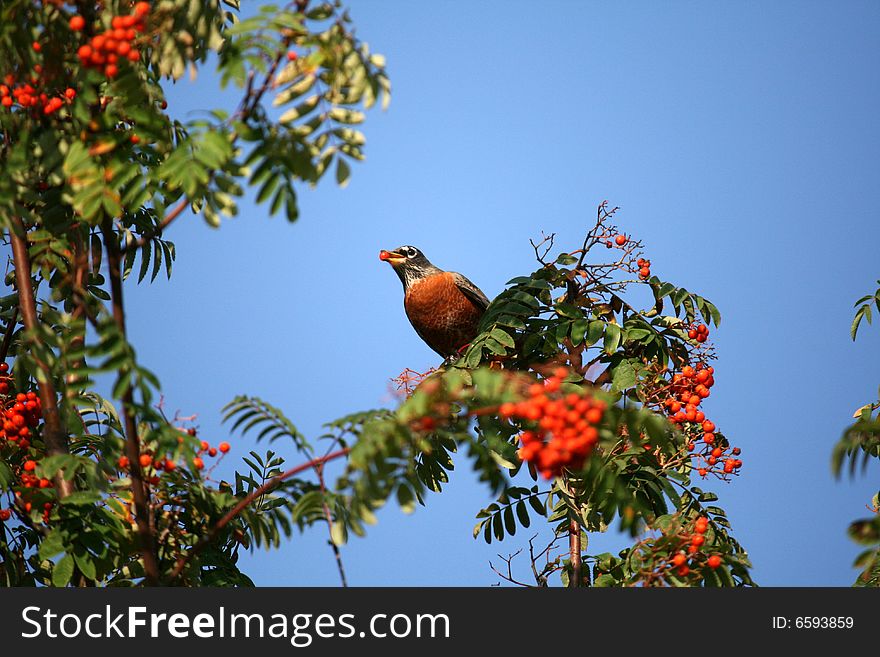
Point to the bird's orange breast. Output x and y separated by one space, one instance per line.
441 313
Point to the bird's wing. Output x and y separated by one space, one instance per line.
471 291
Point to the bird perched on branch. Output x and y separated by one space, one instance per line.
444 307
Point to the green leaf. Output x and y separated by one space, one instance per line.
338 533
502 337
5 476
623 376
63 571
53 544
594 332
343 171
612 338
84 562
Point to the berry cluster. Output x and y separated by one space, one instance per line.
689 552
699 333
20 415
105 50
566 425
29 95
153 465
644 269
688 389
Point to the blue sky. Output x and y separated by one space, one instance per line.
740 141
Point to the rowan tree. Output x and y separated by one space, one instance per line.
574 404
94 170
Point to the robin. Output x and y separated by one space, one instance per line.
444 307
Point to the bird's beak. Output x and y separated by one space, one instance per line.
391 257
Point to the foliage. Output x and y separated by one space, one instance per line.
574 405
570 384
858 445
94 170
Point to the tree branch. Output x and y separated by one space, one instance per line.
53 433
245 502
139 488
157 230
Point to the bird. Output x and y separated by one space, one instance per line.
443 307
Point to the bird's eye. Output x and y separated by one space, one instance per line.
410 252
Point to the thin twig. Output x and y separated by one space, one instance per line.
156 231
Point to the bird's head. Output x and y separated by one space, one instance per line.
409 263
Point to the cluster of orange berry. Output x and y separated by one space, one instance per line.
689 388
644 268
566 430
694 542
699 333
19 415
149 461
105 50
28 95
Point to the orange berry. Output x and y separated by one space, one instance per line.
620 240
223 447
714 561
145 460
111 70
141 9
77 23
679 559
708 426
123 462
291 55
198 463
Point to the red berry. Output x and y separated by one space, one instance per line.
4 514
714 561
69 93
620 240
198 463
135 139
223 447
77 23
291 55
36 46
141 9
30 466
213 450
146 460
111 70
